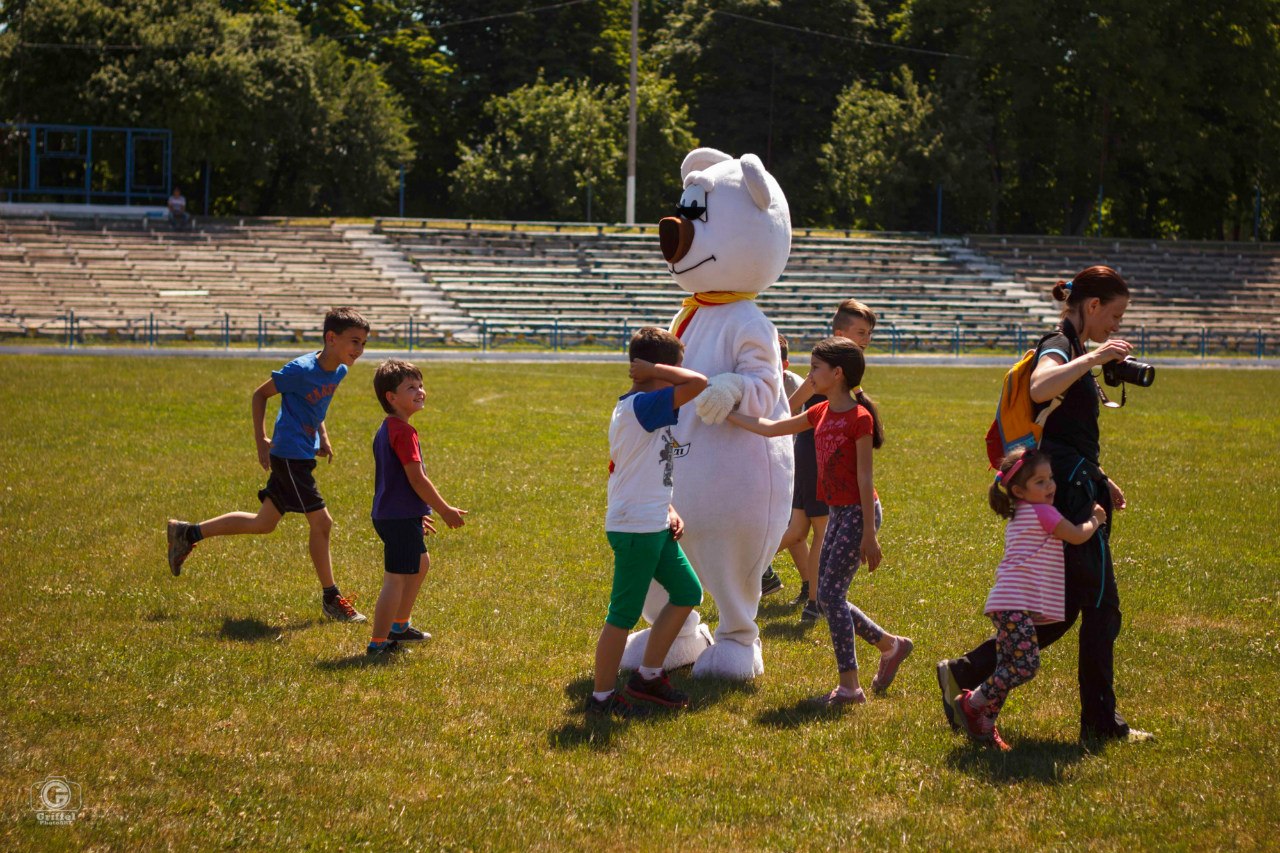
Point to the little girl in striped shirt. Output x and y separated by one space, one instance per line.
1029 582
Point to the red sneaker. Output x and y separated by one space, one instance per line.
977 722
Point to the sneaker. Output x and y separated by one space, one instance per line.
390 647
950 690
803 597
1138 736
341 610
812 612
836 698
977 721
616 705
770 582
889 664
657 690
179 547
409 635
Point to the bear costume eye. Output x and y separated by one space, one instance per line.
693 203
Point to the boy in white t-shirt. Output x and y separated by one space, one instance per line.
643 527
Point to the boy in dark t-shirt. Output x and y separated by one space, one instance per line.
306 385
403 498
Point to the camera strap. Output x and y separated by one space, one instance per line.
1107 401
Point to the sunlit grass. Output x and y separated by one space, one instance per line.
219 710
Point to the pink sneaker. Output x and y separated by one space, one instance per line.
889 663
836 698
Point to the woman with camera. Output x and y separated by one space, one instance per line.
1094 303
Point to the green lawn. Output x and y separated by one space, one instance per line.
219 710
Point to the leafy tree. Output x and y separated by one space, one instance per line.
878 158
553 140
759 82
289 124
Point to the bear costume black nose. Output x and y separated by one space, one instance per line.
675 233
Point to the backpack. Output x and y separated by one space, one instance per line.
1017 424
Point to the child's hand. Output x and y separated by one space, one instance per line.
453 517
427 527
326 449
675 523
871 551
1099 514
1117 496
264 453
641 370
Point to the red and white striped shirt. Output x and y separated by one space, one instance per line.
1030 577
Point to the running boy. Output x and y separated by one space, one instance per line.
643 527
403 498
306 386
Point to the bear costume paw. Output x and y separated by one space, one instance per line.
723 393
730 660
686 649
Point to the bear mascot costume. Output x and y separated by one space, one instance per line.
732 487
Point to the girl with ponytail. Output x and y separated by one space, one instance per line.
846 429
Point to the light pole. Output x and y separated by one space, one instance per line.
631 124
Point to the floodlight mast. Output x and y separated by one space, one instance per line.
631 125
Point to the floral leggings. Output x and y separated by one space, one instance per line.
841 555
1017 656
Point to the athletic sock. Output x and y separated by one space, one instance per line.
378 644
649 673
400 627
194 534
331 592
601 695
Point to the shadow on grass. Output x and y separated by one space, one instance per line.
252 630
360 661
793 629
777 605
160 615
797 714
1030 760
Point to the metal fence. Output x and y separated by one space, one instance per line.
552 335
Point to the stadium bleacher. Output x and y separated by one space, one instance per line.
599 283
1231 290
123 277
551 284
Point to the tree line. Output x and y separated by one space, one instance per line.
1131 118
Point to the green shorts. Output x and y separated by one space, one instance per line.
639 558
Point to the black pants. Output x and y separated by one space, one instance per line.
1099 628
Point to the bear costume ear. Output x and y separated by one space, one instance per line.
699 159
753 175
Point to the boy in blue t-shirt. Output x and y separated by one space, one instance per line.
403 498
643 527
306 386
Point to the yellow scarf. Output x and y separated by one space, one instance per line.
694 301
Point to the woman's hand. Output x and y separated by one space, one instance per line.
1112 349
1117 496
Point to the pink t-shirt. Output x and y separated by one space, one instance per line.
1030 577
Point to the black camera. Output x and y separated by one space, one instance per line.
1130 370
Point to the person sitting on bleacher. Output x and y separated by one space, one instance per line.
178 210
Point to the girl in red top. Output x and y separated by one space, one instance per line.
846 429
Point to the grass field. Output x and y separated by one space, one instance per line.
218 710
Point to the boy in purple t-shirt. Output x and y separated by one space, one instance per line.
403 498
306 385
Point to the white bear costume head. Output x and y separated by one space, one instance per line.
734 227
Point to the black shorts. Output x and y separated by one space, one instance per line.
291 486
402 544
804 491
